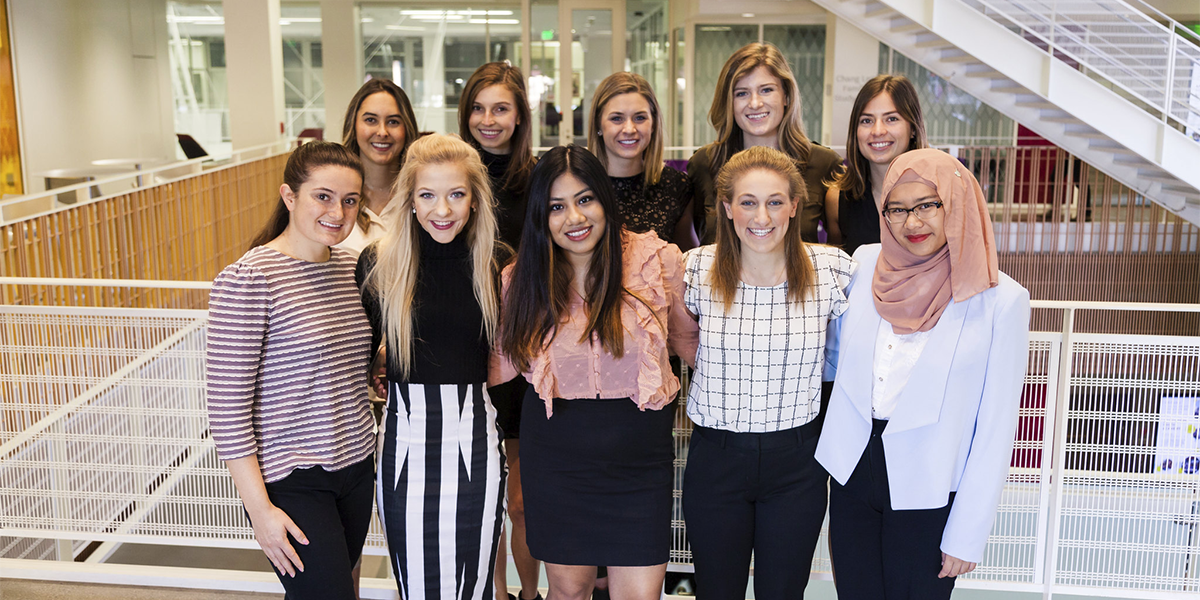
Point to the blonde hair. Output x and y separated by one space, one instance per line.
791 136
394 276
727 269
628 83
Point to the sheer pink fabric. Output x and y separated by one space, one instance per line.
653 271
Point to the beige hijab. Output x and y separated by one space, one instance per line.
912 291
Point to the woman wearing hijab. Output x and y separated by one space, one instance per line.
931 363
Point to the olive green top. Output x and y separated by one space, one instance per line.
822 162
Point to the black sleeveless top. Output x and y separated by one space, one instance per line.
858 220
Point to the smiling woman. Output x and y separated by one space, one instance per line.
764 299
932 358
887 123
378 128
757 103
627 136
590 315
429 289
298 443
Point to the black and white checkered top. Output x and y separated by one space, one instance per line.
759 365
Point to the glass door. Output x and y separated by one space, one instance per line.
596 50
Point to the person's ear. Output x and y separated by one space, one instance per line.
289 197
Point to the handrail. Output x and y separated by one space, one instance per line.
90 282
204 285
29 204
1097 34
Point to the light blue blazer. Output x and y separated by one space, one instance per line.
953 426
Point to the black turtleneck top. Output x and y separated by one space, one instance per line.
449 345
510 204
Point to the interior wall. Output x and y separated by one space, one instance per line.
93 82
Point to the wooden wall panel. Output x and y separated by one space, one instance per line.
187 230
1067 231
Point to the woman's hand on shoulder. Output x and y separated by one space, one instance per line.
953 567
271 528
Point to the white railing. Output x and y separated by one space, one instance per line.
103 439
1129 44
21 207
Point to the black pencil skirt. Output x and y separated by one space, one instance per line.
596 478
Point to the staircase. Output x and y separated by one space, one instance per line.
1099 78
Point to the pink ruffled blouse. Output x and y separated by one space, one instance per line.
653 271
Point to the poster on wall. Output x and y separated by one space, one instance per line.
1177 449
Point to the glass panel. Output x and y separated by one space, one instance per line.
647 51
196 33
591 62
804 48
303 82
543 69
431 51
952 116
714 44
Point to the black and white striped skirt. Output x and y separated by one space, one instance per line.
441 490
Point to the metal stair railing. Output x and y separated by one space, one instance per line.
1128 44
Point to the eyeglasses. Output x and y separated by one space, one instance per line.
925 210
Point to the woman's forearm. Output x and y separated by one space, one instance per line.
247 477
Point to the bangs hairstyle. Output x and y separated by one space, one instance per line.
300 166
397 258
855 178
539 291
408 120
521 145
728 268
791 136
628 83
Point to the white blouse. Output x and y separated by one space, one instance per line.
895 357
759 365
380 225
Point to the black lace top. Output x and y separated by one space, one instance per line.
657 208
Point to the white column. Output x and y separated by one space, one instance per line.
342 56
851 59
254 59
431 117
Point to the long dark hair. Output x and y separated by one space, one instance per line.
539 291
856 177
510 78
300 165
407 118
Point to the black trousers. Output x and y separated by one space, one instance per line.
879 553
333 509
760 493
